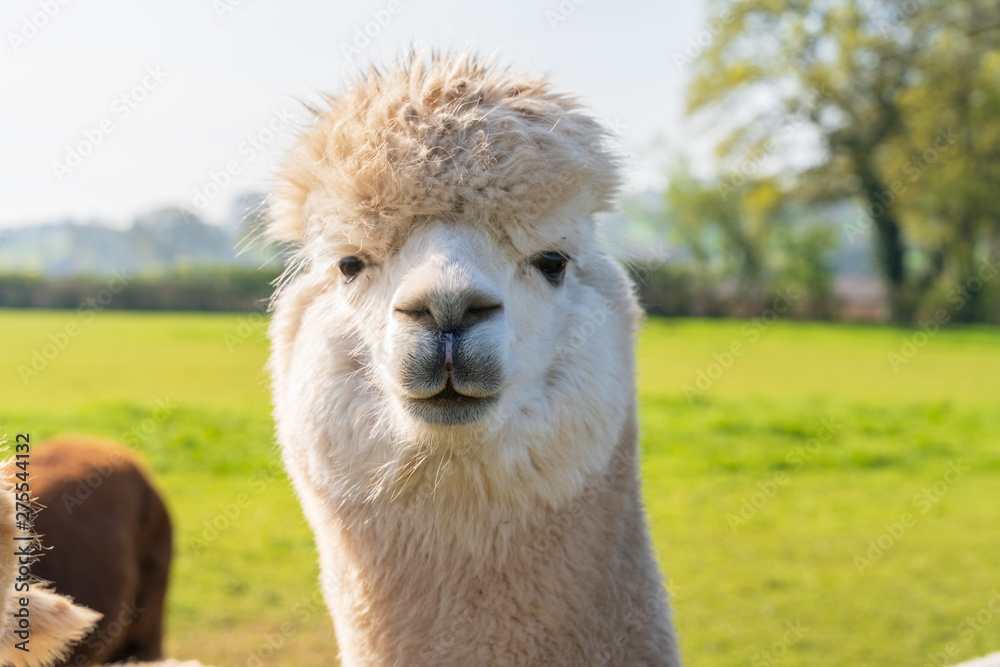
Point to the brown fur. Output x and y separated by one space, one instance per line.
107 539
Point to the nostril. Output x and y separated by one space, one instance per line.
475 314
484 310
420 315
414 312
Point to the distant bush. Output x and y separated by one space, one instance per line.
677 291
670 290
207 289
673 291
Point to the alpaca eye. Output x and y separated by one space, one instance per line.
350 267
552 264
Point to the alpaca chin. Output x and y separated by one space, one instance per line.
450 408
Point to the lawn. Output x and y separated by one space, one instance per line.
811 504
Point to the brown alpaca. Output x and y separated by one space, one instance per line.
107 544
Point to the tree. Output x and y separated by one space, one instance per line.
713 230
839 98
753 238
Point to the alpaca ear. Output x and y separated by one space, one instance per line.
284 220
56 625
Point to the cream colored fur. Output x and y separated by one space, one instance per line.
519 538
165 663
991 660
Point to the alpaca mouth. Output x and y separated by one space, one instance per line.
450 407
449 393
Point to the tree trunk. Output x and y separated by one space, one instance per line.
967 271
890 247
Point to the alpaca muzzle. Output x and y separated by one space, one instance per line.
450 375
449 351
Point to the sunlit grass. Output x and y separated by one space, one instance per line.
762 489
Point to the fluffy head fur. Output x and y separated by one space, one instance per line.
439 407
452 172
449 139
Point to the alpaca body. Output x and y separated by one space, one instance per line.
429 579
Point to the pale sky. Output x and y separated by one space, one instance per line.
161 94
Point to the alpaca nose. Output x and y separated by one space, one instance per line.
450 311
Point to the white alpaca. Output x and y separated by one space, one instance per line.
453 376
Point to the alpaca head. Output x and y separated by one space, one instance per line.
453 308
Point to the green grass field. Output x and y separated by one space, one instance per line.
767 488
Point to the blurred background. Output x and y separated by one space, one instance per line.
811 214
